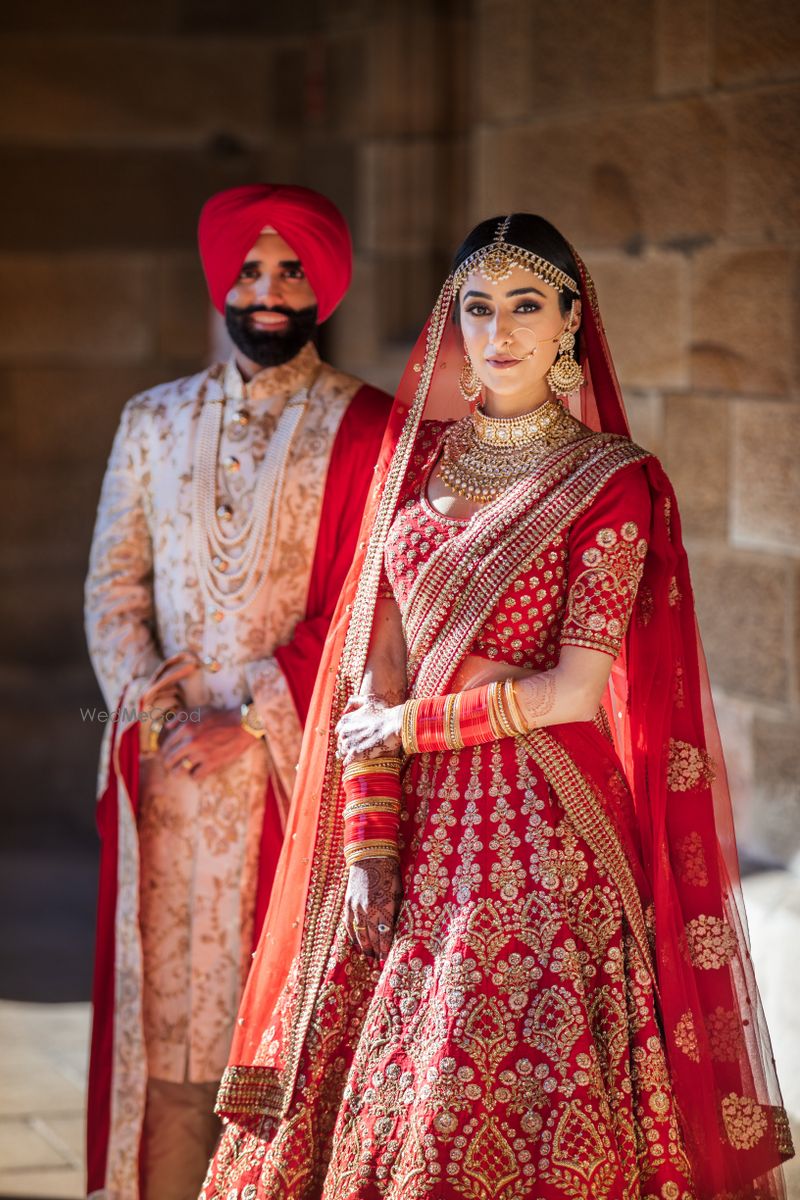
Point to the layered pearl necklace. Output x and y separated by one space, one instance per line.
232 567
483 456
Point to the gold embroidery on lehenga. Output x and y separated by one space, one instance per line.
711 942
590 820
464 1043
489 1163
688 766
580 1149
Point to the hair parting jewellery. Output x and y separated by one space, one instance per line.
496 261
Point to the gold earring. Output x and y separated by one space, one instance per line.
565 376
468 382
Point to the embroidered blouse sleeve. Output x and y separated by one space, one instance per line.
607 548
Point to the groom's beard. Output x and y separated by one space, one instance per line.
262 346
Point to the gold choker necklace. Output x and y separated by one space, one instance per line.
483 456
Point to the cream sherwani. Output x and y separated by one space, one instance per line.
187 859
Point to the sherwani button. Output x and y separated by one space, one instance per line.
221 564
212 664
216 614
231 464
241 417
224 512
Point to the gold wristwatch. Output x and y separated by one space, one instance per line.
251 722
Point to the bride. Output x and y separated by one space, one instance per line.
505 954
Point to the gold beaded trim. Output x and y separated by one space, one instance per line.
496 261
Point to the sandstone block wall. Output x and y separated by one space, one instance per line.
660 135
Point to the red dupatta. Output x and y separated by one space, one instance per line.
665 736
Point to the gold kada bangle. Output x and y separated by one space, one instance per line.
375 804
372 766
498 719
373 849
514 710
408 731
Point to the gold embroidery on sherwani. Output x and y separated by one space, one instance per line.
145 612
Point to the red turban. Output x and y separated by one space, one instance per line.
231 221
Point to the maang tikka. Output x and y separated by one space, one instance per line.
565 376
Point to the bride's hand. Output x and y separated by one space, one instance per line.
369 728
374 893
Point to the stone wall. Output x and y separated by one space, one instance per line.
658 134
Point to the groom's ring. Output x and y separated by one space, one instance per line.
187 764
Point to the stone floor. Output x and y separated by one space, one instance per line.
43 1053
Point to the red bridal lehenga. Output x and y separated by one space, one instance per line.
568 1008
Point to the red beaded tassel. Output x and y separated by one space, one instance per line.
372 809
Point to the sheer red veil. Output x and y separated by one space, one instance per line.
666 737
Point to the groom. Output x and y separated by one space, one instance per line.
228 518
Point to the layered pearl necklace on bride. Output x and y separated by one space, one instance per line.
232 567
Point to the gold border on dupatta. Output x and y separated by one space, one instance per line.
324 904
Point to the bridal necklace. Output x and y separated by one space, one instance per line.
483 456
233 565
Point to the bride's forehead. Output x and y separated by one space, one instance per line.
498 289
